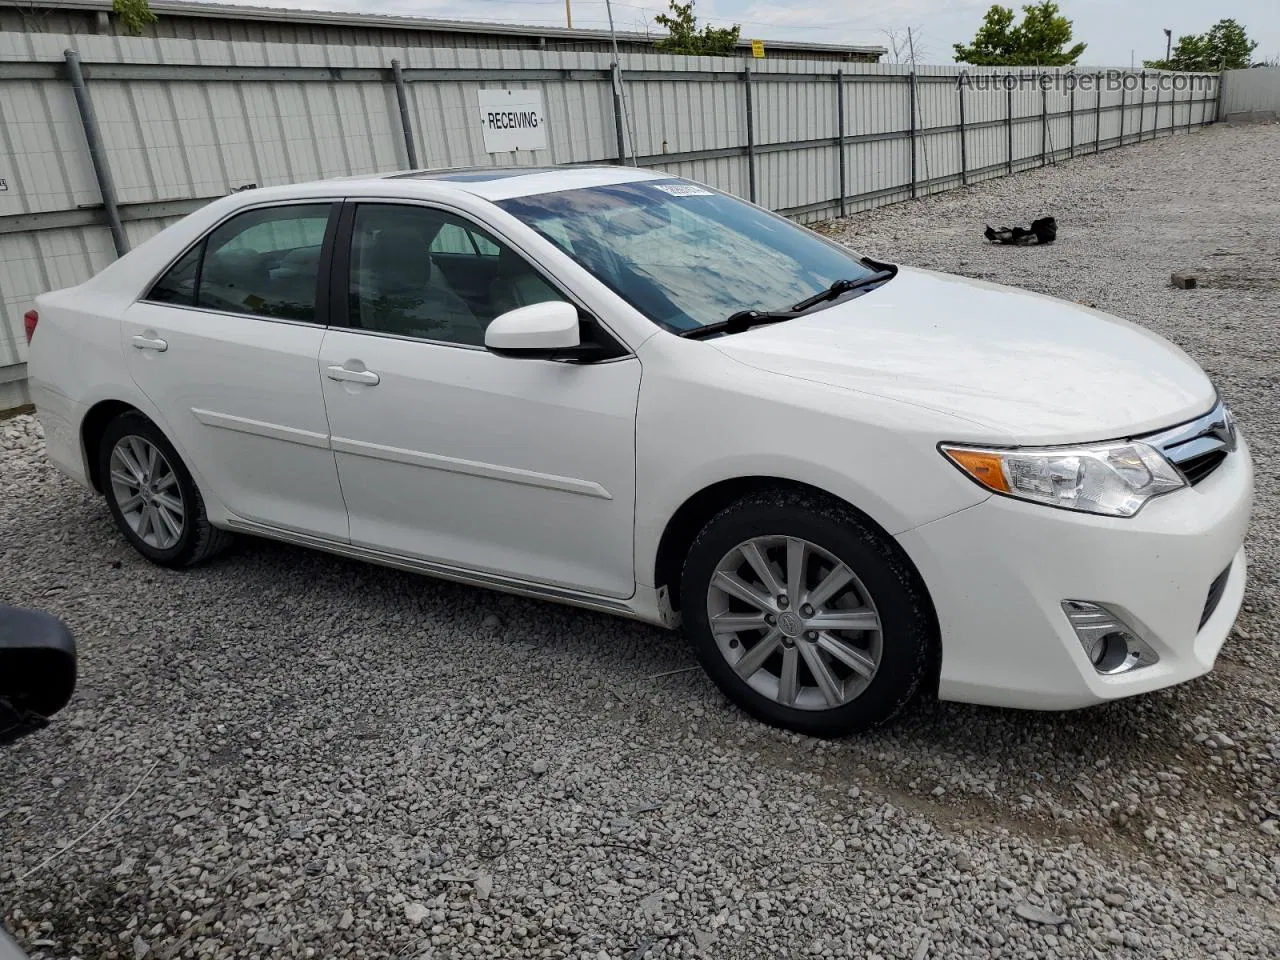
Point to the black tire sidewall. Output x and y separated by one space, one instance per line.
906 624
135 424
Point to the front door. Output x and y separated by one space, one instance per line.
519 468
225 345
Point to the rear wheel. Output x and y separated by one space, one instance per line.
806 616
152 497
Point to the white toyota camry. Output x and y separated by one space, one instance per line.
849 481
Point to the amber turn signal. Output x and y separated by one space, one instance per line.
986 468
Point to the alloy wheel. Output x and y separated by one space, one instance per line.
146 491
794 622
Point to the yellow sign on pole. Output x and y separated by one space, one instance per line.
757 49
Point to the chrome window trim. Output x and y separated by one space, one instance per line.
475 348
310 324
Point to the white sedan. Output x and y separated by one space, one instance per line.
851 482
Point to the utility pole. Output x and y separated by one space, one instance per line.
1168 42
568 14
617 80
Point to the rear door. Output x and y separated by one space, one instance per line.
226 346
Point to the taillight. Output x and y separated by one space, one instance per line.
29 321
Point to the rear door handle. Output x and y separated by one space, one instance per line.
150 343
353 376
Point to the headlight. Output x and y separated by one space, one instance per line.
1113 479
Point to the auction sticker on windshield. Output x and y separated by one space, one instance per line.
684 190
512 120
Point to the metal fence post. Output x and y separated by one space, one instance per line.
1217 100
1072 115
615 80
1155 120
97 154
1124 108
402 99
1190 101
1044 123
751 136
964 147
1097 117
911 79
1008 123
1142 107
840 137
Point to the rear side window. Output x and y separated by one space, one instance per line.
263 263
179 284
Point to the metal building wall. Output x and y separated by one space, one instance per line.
1255 91
249 25
185 121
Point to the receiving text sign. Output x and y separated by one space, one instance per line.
512 120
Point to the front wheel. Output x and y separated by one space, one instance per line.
152 497
806 616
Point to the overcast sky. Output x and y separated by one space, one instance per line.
1112 28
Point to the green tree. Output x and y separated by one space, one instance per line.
1224 47
1039 40
685 37
134 14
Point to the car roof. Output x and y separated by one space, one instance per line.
500 183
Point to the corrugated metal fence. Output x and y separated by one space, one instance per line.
1251 94
182 122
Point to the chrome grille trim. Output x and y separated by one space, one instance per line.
1202 443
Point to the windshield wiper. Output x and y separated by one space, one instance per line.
736 323
746 319
841 287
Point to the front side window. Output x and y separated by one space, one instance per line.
683 255
423 273
262 262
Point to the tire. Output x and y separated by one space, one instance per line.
871 674
131 491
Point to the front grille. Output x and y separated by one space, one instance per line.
1200 447
1216 590
1197 468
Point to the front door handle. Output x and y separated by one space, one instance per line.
150 343
353 376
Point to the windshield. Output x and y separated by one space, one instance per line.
683 255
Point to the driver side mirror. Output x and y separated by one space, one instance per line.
37 670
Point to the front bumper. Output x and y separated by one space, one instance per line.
998 572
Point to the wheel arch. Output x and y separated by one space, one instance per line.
92 428
691 516
697 510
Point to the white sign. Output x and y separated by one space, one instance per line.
512 120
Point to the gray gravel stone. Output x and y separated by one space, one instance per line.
1034 913
334 735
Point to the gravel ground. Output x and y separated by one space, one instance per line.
287 754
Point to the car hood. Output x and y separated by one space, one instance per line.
1031 367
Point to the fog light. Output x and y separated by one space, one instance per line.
1109 643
